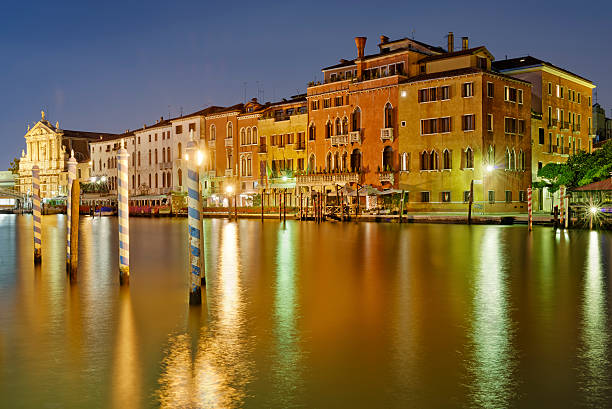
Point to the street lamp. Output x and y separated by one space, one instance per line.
229 189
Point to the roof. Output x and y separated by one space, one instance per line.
469 51
526 62
601 185
457 72
422 44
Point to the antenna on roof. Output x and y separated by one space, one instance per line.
413 31
168 111
181 111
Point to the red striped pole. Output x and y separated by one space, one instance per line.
562 205
529 208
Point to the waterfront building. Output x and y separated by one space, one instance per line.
462 123
601 124
248 160
48 146
562 121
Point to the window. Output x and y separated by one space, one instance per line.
425 197
522 196
424 160
520 96
469 158
388 115
446 160
192 127
242 136
550 118
466 196
428 126
356 119
180 152
445 197
427 94
481 63
177 130
558 91
579 99
541 136
549 88
508 196
467 89
561 95
490 122
444 93
326 103
312 132
338 101
314 105
468 122
490 90
521 127
405 162
328 129
491 196
589 99
510 125
338 127
444 124
510 94
230 130
149 158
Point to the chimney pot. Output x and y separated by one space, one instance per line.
464 43
360 43
451 41
384 39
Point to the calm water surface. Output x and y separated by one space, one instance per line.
306 315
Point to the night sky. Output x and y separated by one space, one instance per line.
111 66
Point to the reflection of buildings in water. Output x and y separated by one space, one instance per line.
493 364
595 369
286 366
126 370
220 371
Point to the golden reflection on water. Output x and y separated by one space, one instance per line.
492 366
595 372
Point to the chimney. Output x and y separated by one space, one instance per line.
360 42
451 41
464 43
161 119
384 39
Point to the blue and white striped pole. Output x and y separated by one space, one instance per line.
36 214
124 216
194 213
72 165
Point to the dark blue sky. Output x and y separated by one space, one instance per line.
110 66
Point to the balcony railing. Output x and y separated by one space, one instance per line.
385 177
386 134
355 137
555 149
212 143
552 123
576 128
263 148
229 142
327 178
339 140
564 125
229 172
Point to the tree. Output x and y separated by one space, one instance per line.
14 166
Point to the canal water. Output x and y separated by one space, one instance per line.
305 315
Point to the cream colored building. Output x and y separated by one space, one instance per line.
49 147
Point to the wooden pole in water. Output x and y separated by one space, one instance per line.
235 206
72 165
470 202
262 204
301 206
401 206
357 207
562 206
280 206
74 230
194 221
36 221
285 205
124 216
529 209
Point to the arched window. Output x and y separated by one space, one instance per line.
328 129
336 162
169 179
311 163
345 126
508 159
424 160
242 136
312 132
213 132
156 155
328 162
156 180
254 137
229 161
446 159
180 151
338 127
249 134
168 154
243 166
356 160
163 179
249 166
180 177
404 162
433 160
513 160
387 159
356 119
469 158
522 160
163 154
344 161
100 162
388 115
133 181
230 130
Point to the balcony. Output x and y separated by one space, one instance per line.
385 177
212 143
300 146
263 149
552 123
555 149
576 127
339 140
564 125
355 137
327 179
229 142
229 172
386 134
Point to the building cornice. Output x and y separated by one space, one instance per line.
550 70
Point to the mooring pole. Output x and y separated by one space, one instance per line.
568 214
562 206
74 230
301 206
470 202
529 209
235 205
194 211
124 216
36 214
357 207
262 204
285 205
280 206
402 206
72 165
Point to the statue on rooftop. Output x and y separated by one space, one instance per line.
42 115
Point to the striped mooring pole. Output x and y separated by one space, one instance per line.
529 208
36 214
194 211
72 165
124 216
562 205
